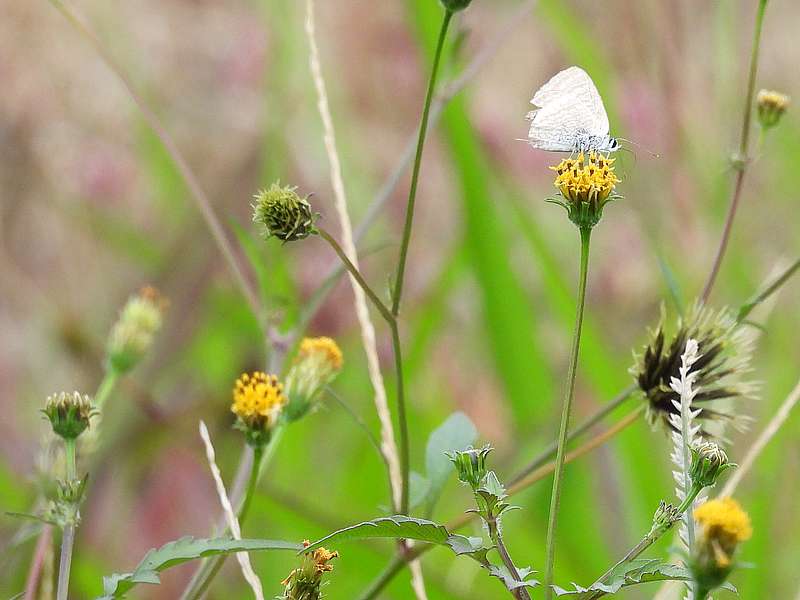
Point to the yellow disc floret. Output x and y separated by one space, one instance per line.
324 347
724 518
258 400
582 180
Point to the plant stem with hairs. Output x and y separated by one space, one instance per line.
68 536
493 525
742 159
398 562
555 497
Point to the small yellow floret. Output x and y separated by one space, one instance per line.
258 399
724 519
322 346
321 559
772 100
581 180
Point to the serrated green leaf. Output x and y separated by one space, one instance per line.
638 571
178 552
407 528
455 434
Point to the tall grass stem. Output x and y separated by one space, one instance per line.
68 536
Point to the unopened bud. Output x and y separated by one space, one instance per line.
709 461
69 413
771 105
470 465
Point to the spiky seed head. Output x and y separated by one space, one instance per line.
724 347
282 213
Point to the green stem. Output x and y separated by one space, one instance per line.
648 540
107 385
68 536
742 159
555 497
353 270
590 422
397 291
747 308
205 575
520 593
391 320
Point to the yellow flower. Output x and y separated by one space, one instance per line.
304 582
324 347
581 180
725 520
586 184
316 365
258 400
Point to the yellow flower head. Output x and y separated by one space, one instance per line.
322 558
586 180
724 520
258 400
586 184
323 347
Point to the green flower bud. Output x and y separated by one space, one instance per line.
69 414
134 331
709 461
319 360
771 106
470 465
283 214
456 5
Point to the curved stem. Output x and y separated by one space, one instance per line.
398 562
68 536
555 497
397 291
742 159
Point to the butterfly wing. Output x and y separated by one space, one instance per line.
570 101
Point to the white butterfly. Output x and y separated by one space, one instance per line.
569 115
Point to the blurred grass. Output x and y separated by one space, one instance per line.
512 339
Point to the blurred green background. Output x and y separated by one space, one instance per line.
92 209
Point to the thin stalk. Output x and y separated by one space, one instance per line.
742 159
176 156
555 497
397 291
590 422
748 306
353 270
398 562
391 320
107 385
652 537
68 537
520 593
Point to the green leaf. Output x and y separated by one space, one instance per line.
406 528
178 552
503 574
637 571
455 434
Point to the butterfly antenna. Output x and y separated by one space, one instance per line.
632 143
